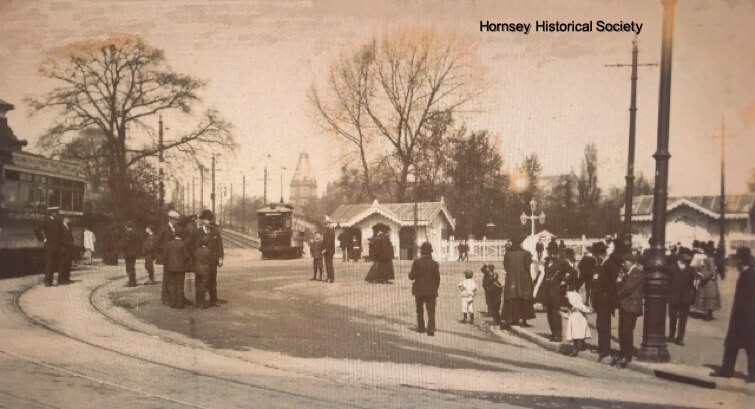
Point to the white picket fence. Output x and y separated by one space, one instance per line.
493 250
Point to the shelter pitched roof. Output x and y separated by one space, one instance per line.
401 213
734 206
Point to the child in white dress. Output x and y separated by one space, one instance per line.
577 329
468 289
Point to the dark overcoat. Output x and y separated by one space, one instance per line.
329 241
587 267
52 232
630 291
215 245
605 292
176 256
518 282
741 333
681 290
426 275
131 245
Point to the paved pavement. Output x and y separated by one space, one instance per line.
701 353
297 344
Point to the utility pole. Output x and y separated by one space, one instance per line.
629 190
653 347
282 169
264 192
201 187
212 194
720 265
230 208
161 160
193 196
243 202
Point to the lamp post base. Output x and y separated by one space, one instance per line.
653 353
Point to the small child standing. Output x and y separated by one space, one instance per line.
577 329
202 267
468 289
316 248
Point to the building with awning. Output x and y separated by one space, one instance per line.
691 218
434 223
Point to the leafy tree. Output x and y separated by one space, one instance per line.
588 192
117 86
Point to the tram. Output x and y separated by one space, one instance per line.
281 231
29 184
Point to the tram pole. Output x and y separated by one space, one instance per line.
629 190
161 160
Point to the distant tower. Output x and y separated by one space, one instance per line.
303 183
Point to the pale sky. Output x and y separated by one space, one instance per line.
549 92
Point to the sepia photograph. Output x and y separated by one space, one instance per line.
377 204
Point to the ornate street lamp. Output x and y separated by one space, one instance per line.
540 218
656 279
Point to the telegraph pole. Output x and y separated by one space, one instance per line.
161 160
629 190
264 192
656 279
243 202
201 187
212 194
282 169
230 208
722 209
193 196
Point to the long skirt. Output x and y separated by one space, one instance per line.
708 298
380 271
576 326
517 309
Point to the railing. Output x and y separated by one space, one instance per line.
479 250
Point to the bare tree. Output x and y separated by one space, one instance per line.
395 91
344 114
117 85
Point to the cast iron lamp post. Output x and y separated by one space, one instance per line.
656 279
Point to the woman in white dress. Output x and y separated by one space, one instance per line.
577 329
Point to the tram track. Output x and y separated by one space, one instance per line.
98 380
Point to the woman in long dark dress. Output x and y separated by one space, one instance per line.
382 267
517 288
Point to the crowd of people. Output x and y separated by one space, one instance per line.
613 280
183 245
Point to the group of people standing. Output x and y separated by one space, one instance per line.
59 248
186 245
323 248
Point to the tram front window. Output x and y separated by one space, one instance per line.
273 222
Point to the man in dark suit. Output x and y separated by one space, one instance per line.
605 297
131 247
329 249
425 273
67 249
167 233
587 267
681 294
741 332
50 233
630 284
215 244
554 275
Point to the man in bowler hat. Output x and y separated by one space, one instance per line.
425 273
50 233
209 232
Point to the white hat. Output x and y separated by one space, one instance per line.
173 215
